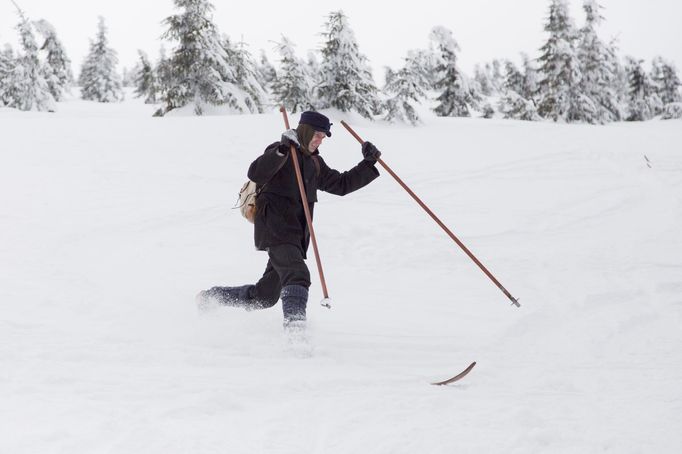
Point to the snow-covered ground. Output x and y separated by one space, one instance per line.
112 221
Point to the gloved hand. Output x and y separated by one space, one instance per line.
370 152
290 138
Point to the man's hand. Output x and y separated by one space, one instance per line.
290 138
370 152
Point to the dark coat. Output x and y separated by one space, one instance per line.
280 218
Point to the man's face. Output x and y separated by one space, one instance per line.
315 142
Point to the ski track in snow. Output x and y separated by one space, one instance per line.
112 220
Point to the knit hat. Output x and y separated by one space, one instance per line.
318 121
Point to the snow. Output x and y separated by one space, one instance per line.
113 220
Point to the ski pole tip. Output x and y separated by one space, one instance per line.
326 302
515 302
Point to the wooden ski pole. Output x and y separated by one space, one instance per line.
326 301
514 301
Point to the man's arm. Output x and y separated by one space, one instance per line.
268 164
338 183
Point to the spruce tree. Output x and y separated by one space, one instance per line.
25 85
406 88
559 93
58 65
145 80
644 102
243 78
346 82
513 78
482 78
6 68
530 78
455 97
597 66
666 81
99 79
198 66
291 87
265 71
514 106
164 76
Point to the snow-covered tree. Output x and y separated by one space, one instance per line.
346 82
513 78
516 107
644 102
200 72
25 87
146 81
672 111
482 78
559 93
99 79
265 71
58 65
597 67
621 81
406 88
6 68
129 75
530 77
291 87
252 96
496 75
666 81
456 97
164 75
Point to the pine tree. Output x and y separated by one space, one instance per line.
265 71
516 107
164 76
25 85
145 80
559 93
644 102
199 69
456 96
251 95
513 79
6 69
666 81
483 80
346 82
597 66
530 78
58 68
407 87
496 75
99 79
291 87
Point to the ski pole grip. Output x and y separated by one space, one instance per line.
353 133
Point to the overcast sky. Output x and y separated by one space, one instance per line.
485 29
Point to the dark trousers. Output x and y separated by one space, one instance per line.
285 267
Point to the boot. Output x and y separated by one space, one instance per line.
294 301
225 296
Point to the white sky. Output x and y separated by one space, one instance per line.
485 29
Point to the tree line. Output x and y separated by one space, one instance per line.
577 76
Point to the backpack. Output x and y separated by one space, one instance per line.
250 191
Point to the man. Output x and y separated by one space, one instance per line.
280 226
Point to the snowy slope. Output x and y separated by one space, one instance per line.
112 220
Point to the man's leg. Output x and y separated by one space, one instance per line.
287 260
265 293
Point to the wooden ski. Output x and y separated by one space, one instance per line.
457 377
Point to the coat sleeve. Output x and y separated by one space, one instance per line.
338 183
268 164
